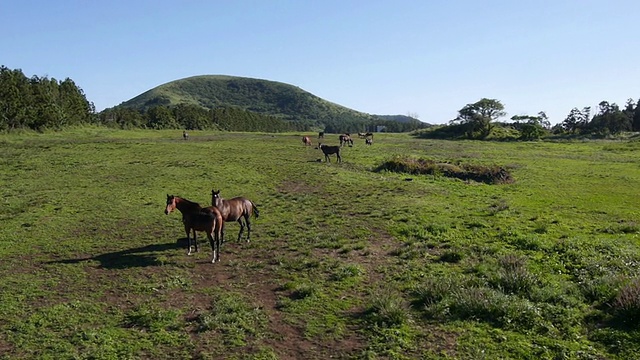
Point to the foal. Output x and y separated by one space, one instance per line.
330 150
195 218
235 209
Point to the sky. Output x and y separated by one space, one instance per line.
425 58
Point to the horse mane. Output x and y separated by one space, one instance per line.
189 203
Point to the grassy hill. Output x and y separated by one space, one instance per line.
262 96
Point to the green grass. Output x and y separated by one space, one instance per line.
346 260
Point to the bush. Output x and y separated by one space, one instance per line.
387 310
480 173
626 305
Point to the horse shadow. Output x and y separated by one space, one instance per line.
143 256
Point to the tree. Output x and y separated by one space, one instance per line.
577 120
160 117
531 127
635 122
610 119
477 117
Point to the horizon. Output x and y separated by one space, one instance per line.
382 58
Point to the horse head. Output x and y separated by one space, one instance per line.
171 204
215 197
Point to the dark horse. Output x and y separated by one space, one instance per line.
235 209
330 150
196 218
321 135
185 135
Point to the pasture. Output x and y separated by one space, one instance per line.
344 262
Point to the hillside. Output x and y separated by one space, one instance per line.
262 96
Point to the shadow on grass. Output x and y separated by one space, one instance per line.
137 257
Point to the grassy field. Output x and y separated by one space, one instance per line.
345 262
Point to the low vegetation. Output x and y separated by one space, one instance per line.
420 166
347 260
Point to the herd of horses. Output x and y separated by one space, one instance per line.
212 219
345 139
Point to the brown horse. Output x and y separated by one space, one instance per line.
306 140
330 150
346 139
235 209
195 218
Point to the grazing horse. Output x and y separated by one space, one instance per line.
321 135
368 141
306 140
185 135
369 135
330 150
345 139
235 209
362 135
195 218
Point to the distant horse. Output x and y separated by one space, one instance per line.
369 135
345 139
195 218
235 209
368 141
362 135
185 135
321 135
330 150
306 140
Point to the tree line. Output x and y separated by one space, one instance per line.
40 103
479 120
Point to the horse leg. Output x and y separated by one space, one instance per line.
213 246
246 219
241 229
195 242
188 231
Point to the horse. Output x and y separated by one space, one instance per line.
235 209
185 135
330 150
368 141
345 139
369 135
321 135
195 218
362 135
306 140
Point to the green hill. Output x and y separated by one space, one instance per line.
262 96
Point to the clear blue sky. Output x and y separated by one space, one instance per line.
424 57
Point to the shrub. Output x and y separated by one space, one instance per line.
387 309
513 276
626 305
419 166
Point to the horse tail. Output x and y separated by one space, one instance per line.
255 209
